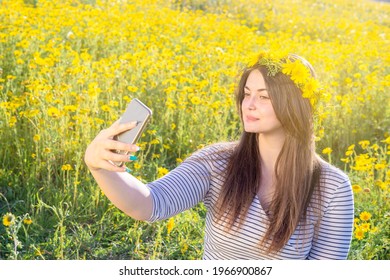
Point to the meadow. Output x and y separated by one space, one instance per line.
69 68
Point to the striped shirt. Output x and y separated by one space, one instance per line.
325 234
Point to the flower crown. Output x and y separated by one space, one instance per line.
297 68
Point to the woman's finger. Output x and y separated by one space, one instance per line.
117 157
117 127
121 146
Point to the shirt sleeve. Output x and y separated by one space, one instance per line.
180 189
333 236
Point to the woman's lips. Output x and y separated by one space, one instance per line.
251 119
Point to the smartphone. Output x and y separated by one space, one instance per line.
135 111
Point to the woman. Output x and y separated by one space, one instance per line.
268 196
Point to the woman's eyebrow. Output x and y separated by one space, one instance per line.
259 90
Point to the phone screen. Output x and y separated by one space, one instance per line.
135 111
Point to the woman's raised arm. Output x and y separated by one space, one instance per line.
126 192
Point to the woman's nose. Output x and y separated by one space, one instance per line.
251 105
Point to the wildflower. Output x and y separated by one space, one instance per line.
356 188
364 144
297 71
105 108
137 165
359 234
365 216
381 165
348 153
195 100
170 225
36 137
53 112
375 147
132 88
8 219
365 227
351 148
70 108
27 221
327 151
162 171
66 167
184 248
387 140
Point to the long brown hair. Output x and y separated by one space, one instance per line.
297 168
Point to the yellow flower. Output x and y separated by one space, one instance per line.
298 72
380 166
53 112
195 100
375 147
152 132
365 227
310 87
348 153
359 234
27 221
365 216
162 171
70 108
364 144
184 248
170 225
8 219
105 108
66 167
132 88
327 151
36 137
387 140
137 165
350 148
356 188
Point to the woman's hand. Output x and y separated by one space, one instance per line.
101 150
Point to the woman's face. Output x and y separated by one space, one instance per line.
257 111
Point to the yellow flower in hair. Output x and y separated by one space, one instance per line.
295 67
297 71
310 87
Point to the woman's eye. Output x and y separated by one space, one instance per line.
263 97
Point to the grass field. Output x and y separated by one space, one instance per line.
68 69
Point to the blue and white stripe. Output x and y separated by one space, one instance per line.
326 233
